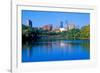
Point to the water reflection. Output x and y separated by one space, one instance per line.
55 50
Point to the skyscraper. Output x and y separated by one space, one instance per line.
61 24
62 27
71 26
29 23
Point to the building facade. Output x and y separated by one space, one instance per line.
29 23
61 27
70 26
47 27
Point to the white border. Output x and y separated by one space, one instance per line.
18 66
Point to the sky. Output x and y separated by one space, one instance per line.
41 18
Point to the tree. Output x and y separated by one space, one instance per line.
73 34
85 32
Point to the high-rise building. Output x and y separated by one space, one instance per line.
61 27
47 27
71 26
29 23
61 24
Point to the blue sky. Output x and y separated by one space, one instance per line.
41 18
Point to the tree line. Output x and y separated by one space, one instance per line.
36 34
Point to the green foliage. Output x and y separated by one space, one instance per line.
85 32
73 34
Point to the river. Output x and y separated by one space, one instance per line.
60 50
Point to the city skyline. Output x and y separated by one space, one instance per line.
41 18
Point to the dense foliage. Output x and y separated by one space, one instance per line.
35 34
85 32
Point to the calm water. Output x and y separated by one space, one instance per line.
56 50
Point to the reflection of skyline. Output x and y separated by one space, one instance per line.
46 49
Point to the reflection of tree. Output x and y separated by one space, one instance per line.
26 45
86 45
49 48
60 43
28 48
